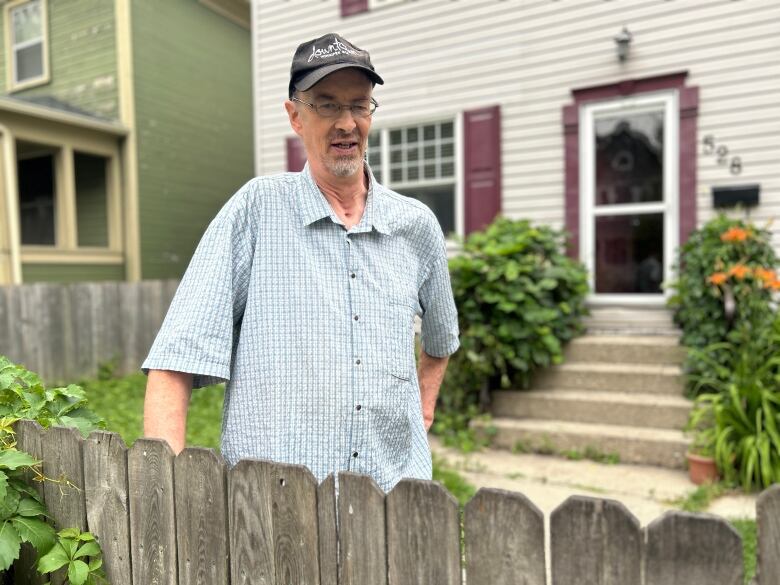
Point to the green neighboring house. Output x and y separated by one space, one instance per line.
124 127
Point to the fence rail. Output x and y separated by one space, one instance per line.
185 520
64 332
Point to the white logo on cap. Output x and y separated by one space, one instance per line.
335 48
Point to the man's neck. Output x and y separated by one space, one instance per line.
346 195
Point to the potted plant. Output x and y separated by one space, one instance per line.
702 467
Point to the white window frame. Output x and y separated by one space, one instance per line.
13 83
386 126
668 101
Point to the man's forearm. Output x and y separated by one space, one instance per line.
430 372
165 407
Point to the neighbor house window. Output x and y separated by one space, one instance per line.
27 45
419 161
37 199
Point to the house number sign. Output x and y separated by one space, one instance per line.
721 153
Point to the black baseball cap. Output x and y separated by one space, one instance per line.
315 59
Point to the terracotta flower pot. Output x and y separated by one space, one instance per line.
702 469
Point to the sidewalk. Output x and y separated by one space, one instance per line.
547 481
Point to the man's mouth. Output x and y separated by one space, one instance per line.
344 147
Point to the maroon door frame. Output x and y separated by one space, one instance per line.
689 111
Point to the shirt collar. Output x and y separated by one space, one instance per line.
314 206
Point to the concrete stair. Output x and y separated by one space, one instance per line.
614 394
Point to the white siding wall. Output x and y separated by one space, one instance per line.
441 57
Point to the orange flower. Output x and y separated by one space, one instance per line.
735 234
739 271
774 285
767 277
717 278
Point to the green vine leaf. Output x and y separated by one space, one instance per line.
78 571
9 545
56 558
13 459
34 531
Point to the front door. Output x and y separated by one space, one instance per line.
629 193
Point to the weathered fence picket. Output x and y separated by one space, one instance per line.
108 507
504 539
692 549
768 520
595 541
66 331
184 520
152 513
29 436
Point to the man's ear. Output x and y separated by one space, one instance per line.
295 117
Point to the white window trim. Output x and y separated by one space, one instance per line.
10 49
384 129
669 206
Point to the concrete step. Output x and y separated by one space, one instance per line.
625 349
662 447
661 411
609 377
631 321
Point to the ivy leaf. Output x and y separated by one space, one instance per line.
9 545
29 507
3 485
34 531
90 549
13 459
53 560
78 571
95 564
9 504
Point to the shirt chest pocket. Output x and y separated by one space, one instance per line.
397 338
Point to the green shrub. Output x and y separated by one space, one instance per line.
726 262
519 299
740 414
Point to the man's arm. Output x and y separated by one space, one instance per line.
165 406
430 373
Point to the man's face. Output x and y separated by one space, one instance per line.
334 145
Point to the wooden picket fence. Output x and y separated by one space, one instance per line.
64 332
185 520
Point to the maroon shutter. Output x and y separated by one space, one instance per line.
482 136
350 7
296 154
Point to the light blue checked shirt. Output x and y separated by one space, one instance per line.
312 327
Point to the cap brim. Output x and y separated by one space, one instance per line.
308 81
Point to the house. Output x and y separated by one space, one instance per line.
624 122
124 126
620 121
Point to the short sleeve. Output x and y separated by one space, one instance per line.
201 326
439 331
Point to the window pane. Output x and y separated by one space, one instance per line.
413 173
429 152
91 199
430 171
373 139
412 154
29 62
395 137
396 175
26 22
396 155
441 200
629 253
447 169
36 200
446 130
429 133
447 149
412 135
629 158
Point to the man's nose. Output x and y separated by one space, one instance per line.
345 120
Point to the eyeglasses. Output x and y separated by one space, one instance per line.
362 109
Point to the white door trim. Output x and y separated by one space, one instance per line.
668 101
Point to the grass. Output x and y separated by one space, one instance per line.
699 499
120 402
747 530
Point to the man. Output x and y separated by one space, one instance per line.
302 296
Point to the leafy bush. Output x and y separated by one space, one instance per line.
725 264
519 298
739 417
23 516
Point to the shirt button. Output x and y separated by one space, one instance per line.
357 362
358 407
352 275
355 454
356 317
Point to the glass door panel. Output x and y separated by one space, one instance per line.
630 253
